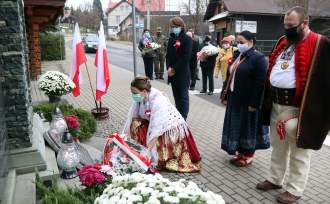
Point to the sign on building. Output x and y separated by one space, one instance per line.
246 25
211 27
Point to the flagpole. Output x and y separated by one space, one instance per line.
90 83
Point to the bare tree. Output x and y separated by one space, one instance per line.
87 17
196 10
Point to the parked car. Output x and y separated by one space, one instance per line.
90 43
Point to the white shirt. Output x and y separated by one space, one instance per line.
283 74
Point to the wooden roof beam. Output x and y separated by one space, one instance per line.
54 3
39 20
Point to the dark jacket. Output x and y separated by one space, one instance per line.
178 59
249 80
195 49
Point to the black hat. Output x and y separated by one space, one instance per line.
207 38
248 35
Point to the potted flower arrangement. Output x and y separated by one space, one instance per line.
155 189
55 84
73 126
95 178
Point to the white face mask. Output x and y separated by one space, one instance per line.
243 47
226 46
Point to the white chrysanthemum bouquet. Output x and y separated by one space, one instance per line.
55 83
154 189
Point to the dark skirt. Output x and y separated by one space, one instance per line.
242 131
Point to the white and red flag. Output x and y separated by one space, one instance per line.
101 63
78 57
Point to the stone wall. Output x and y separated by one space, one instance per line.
14 73
3 138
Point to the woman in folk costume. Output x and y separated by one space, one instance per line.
224 58
155 123
242 94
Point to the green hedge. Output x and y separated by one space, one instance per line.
86 119
52 46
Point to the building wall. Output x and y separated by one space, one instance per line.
3 138
14 75
155 5
268 27
116 16
126 29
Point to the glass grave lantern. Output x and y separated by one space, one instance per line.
67 157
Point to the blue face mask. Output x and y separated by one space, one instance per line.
137 97
176 30
147 35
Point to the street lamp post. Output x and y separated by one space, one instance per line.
134 36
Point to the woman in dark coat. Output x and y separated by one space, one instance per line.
148 56
178 55
242 94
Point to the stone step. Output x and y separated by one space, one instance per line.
7 191
52 172
25 189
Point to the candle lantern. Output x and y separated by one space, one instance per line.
67 157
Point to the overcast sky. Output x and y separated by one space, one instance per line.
76 3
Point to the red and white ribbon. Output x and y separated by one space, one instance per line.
142 161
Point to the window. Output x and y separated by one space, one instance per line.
118 19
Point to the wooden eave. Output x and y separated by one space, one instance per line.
42 12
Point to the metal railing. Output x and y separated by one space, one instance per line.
265 46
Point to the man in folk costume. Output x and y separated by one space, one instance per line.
296 105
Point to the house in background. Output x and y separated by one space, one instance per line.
142 5
117 14
125 26
264 18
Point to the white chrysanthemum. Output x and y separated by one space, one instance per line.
171 199
55 83
154 188
153 201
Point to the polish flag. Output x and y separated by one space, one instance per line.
78 57
101 63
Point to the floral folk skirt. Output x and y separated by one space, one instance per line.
242 131
182 156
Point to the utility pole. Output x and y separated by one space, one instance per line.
148 13
134 36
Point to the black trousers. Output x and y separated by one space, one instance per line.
207 74
148 66
181 98
193 77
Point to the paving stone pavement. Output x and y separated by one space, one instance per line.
236 185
